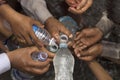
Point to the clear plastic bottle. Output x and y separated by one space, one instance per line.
45 37
18 75
63 61
70 24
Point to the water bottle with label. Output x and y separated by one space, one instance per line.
45 37
18 75
63 61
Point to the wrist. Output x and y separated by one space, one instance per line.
7 12
99 31
49 21
10 56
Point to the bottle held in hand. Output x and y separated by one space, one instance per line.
18 75
45 37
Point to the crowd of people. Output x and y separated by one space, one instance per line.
88 43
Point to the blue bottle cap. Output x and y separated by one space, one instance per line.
35 28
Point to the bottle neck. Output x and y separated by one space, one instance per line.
63 45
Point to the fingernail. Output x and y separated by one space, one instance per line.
73 46
78 55
71 36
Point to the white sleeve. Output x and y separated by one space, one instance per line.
36 9
4 63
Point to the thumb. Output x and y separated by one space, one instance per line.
66 31
56 36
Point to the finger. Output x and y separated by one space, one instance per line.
92 51
82 47
82 4
87 58
20 41
77 44
88 4
39 64
79 36
84 53
38 71
76 11
86 41
28 38
18 37
73 10
36 41
56 36
78 1
66 31
77 53
50 54
70 44
77 33
71 3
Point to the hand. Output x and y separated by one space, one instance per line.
21 25
54 27
79 6
89 54
4 31
87 37
72 3
21 59
50 54
24 29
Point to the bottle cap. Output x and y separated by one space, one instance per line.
42 56
35 28
52 45
64 38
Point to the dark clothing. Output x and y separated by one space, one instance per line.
114 10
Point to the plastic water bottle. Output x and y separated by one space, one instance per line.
70 24
18 75
63 61
45 37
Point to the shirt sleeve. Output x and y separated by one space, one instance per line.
105 24
110 50
4 63
36 9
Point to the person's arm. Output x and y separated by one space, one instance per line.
20 24
110 50
36 9
3 29
99 71
4 63
104 24
90 36
79 6
7 12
